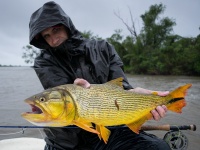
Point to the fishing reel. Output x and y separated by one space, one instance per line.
174 137
176 140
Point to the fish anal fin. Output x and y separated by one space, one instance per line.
85 126
117 81
177 106
104 133
136 125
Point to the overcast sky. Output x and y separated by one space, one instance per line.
94 15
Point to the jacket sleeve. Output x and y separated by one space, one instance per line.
48 72
116 67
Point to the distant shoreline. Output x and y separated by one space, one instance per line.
127 73
13 66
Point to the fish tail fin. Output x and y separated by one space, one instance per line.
177 98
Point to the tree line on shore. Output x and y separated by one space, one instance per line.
155 50
10 65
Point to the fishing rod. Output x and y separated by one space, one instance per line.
168 127
144 127
174 137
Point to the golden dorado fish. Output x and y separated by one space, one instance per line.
104 105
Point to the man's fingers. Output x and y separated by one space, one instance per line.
155 114
159 112
81 82
162 93
165 108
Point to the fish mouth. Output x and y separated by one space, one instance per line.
37 113
35 110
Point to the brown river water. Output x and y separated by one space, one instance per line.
18 83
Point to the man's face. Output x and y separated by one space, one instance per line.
55 35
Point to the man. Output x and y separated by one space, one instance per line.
67 56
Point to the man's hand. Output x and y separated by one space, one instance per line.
160 111
81 82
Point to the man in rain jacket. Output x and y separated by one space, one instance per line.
66 56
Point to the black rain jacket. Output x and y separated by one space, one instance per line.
95 61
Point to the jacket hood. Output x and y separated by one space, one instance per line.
48 15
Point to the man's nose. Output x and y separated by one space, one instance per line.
54 39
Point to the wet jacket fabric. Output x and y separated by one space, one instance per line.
95 61
77 57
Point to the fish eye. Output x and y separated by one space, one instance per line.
42 99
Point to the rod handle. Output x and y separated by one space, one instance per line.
168 127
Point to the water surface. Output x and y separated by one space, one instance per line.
19 83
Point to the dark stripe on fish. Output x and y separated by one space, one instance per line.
174 100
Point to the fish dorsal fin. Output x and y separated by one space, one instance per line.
117 81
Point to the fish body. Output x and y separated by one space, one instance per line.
102 104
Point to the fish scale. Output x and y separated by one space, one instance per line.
99 104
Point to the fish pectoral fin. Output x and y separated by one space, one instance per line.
104 132
84 122
85 126
136 125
